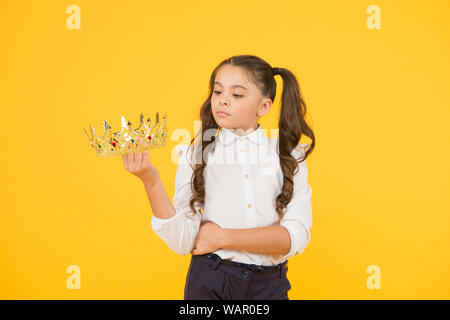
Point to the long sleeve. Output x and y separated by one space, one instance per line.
179 231
297 218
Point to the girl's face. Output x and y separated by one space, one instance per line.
240 99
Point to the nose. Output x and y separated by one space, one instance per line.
224 101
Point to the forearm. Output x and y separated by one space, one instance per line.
271 240
159 200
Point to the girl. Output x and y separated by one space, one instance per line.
242 203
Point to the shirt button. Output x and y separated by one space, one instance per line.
246 274
249 205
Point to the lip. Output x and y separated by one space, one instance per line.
222 114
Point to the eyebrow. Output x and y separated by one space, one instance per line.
234 86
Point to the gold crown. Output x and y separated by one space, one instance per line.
127 139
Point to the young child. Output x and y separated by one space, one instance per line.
242 203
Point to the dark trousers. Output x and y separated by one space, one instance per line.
215 280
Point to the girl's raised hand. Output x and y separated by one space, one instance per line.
138 163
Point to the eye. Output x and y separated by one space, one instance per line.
236 95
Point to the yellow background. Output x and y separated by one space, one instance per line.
378 102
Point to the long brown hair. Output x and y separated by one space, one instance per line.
292 126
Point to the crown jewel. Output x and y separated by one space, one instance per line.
127 139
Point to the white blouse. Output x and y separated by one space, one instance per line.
242 179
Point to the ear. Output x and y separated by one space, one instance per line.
264 107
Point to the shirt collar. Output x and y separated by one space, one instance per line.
227 136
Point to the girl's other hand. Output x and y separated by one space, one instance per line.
208 238
138 163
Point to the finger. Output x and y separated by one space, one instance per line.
141 159
125 160
141 154
132 159
145 158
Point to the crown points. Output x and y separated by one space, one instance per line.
111 144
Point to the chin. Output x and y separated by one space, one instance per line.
220 121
